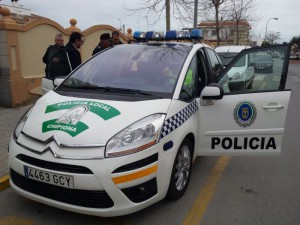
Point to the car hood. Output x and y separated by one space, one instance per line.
235 70
80 121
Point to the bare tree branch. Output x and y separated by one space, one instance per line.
182 10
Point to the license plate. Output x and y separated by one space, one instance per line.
48 177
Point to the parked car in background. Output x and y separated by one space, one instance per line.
242 74
262 63
227 53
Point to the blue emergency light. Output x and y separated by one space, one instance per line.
196 34
149 35
171 35
136 34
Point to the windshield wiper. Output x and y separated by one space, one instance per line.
111 89
127 90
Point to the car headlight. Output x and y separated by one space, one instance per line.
21 124
269 64
237 75
136 137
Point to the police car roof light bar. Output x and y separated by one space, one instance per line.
196 34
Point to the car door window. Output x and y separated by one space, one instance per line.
258 70
189 87
216 66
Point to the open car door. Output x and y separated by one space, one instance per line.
58 65
249 119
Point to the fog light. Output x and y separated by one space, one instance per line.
142 189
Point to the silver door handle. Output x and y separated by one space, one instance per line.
273 107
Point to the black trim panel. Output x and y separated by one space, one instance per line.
84 198
138 164
54 166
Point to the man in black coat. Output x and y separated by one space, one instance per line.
105 42
73 46
59 43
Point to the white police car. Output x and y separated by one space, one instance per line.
120 132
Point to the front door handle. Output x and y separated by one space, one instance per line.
273 107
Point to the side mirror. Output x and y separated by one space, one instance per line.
212 92
58 81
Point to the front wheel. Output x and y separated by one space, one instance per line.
181 171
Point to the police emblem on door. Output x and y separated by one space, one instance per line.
244 114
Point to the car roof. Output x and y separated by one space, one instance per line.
231 48
174 43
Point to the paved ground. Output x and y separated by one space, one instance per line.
8 120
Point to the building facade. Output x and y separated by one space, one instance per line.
228 32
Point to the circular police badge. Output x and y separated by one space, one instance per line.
244 114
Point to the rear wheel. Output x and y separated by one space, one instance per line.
181 171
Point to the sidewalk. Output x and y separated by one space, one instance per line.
8 119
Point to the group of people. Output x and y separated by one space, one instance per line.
76 40
106 41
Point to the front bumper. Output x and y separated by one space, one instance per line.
102 187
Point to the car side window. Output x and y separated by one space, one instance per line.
258 70
189 87
216 65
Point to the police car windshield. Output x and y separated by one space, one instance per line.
143 67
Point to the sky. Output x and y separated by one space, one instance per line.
113 12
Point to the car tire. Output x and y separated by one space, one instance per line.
181 172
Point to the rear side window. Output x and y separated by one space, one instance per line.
216 66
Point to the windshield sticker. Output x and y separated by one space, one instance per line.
244 114
68 122
178 119
104 111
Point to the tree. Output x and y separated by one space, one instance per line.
272 37
212 8
242 10
182 10
295 41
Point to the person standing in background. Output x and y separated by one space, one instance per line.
72 48
59 42
105 42
116 38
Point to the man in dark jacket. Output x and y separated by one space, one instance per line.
105 42
73 46
59 43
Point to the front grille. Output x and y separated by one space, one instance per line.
84 198
138 164
54 166
141 192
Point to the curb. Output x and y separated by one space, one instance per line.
4 182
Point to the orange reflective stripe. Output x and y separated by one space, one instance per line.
134 176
